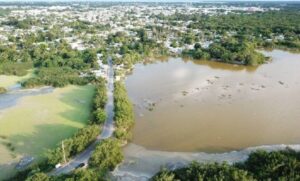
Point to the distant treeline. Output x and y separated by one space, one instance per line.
236 36
56 64
230 51
168 3
135 50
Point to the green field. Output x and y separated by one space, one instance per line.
8 80
38 123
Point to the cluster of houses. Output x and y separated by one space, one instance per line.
116 18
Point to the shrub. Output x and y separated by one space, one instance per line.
107 155
56 77
124 118
260 165
38 177
2 90
74 145
100 116
277 165
18 69
197 171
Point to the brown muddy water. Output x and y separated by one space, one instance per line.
199 106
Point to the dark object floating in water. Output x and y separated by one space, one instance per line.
184 93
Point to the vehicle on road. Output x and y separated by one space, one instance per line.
80 165
58 165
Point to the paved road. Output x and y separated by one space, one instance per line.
106 132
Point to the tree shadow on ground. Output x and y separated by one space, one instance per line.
6 171
48 136
44 137
80 100
36 144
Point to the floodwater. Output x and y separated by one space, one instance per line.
199 106
15 93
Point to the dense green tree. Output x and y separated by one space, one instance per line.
124 118
100 99
56 77
90 57
142 34
38 177
197 46
19 69
196 171
164 175
174 44
280 165
260 165
188 39
86 175
107 155
83 138
100 116
73 145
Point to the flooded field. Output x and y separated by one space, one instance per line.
199 106
34 120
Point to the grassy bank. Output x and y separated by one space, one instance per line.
7 81
38 123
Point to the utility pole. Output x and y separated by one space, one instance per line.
63 149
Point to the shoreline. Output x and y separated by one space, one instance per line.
141 163
12 97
